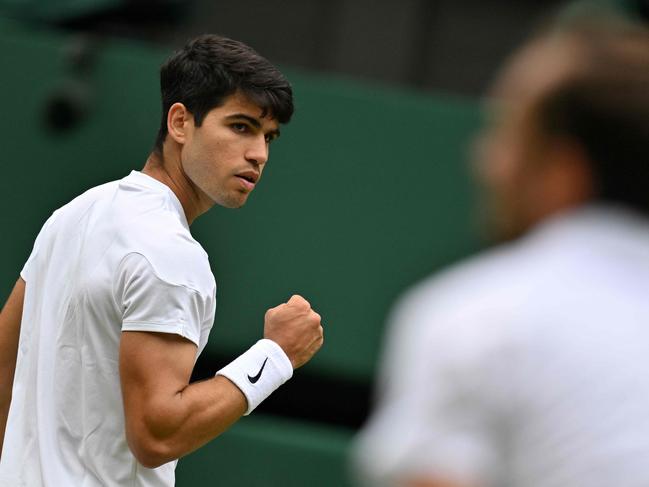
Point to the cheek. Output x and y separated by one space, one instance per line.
198 165
498 162
201 155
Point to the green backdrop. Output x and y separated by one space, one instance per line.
365 192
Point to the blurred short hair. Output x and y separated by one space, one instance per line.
210 68
604 105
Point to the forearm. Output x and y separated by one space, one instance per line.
174 426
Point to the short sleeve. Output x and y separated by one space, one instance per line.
149 303
26 270
36 249
431 420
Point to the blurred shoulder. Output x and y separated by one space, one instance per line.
502 273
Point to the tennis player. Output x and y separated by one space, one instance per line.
528 366
116 300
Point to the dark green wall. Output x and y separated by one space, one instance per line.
365 192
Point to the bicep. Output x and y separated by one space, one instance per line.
10 319
166 417
154 368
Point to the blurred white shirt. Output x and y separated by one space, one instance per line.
527 366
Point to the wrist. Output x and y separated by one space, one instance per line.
259 371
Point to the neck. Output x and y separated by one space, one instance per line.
174 177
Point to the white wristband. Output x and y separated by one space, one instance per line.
259 371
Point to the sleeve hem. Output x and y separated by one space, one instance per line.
161 328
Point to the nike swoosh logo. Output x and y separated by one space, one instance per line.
254 379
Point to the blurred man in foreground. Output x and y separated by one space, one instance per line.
528 366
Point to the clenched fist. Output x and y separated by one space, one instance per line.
296 328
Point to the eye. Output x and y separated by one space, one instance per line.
270 138
239 127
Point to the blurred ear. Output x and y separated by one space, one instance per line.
568 179
179 120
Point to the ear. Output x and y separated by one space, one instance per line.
570 175
179 120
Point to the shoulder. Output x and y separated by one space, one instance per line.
174 256
143 220
83 201
88 198
68 215
168 247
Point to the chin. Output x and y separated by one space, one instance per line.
233 203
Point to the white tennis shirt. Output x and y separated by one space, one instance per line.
119 257
527 366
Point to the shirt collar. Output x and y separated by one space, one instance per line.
147 181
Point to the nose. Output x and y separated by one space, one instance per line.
257 151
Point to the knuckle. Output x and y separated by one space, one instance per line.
299 301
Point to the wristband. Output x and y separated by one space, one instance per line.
259 371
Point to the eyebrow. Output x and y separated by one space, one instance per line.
253 121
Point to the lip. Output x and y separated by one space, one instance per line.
247 185
248 179
251 176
